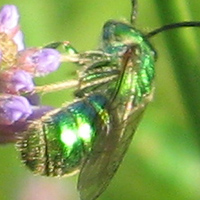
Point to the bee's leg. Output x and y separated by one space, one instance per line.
56 86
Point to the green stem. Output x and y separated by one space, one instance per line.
185 58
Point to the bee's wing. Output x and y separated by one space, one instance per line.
107 155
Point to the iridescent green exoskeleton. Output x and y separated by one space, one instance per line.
92 134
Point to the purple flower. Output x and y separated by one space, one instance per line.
38 62
9 133
46 60
19 40
39 111
33 99
15 81
11 40
19 105
22 81
13 108
9 18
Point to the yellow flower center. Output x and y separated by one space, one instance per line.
8 51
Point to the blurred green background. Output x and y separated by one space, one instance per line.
163 161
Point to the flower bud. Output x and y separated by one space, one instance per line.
8 18
15 81
13 108
38 62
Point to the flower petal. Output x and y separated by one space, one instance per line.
15 81
14 108
19 40
46 60
8 18
38 62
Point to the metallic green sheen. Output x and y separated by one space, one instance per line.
57 144
138 71
138 76
128 93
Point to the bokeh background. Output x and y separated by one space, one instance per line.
163 161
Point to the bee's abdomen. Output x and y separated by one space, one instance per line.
57 144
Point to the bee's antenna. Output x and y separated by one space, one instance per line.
133 11
173 26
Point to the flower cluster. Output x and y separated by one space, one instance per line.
18 67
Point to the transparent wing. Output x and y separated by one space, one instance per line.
114 138
107 155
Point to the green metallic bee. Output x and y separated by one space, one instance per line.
92 134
